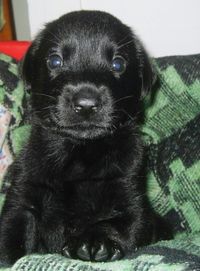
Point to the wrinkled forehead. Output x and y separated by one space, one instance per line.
83 43
87 36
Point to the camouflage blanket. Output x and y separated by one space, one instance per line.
172 136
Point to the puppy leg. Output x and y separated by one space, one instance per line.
17 234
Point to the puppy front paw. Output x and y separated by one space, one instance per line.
97 251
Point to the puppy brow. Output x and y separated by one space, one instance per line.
53 50
67 51
108 52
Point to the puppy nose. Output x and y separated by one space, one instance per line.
85 105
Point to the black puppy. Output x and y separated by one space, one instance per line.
76 188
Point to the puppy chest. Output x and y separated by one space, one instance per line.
79 204
92 170
87 197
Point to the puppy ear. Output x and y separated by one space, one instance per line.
147 74
27 67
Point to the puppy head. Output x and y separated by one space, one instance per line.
86 73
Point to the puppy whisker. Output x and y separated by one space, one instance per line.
123 98
53 35
130 117
49 107
125 44
123 40
43 111
42 94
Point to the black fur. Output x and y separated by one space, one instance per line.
76 186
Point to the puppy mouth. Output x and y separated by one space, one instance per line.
80 130
86 126
88 131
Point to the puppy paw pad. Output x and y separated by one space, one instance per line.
116 255
101 254
66 253
83 252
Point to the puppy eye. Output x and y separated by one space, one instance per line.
119 64
54 62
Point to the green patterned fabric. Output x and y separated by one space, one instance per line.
172 136
172 133
153 258
12 96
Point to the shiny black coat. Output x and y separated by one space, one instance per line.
77 186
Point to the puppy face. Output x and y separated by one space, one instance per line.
86 73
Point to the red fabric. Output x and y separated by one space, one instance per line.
16 49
